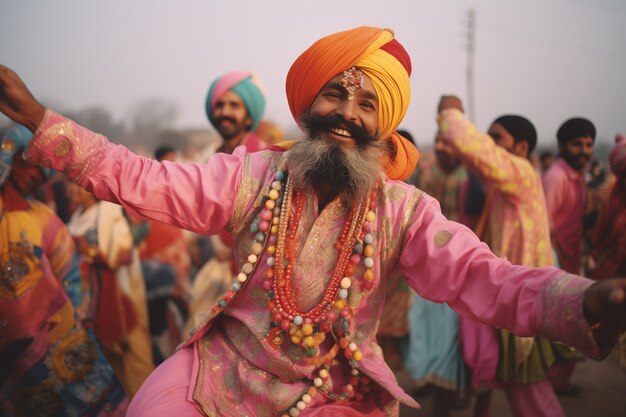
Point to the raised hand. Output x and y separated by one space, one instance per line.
16 102
450 102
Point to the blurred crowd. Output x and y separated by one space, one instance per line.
137 288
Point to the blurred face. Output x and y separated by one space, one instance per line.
79 196
170 156
347 116
503 138
446 160
231 116
546 162
24 175
577 152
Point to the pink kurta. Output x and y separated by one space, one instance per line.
565 198
516 226
237 370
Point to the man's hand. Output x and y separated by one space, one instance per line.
16 102
605 301
450 102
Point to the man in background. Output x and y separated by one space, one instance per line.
234 105
564 187
514 224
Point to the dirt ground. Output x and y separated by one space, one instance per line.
604 393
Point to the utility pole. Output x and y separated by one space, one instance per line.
471 44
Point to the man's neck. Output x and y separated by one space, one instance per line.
229 145
325 192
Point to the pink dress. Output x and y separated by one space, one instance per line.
233 369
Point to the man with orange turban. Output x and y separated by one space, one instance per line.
317 229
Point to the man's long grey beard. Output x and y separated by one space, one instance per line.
315 162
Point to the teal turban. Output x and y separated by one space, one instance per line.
246 86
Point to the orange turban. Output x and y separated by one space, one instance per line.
387 64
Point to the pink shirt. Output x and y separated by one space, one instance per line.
565 199
441 260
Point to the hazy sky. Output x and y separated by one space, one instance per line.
546 59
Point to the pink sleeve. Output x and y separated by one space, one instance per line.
480 154
445 262
197 197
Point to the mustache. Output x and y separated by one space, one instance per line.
223 118
316 124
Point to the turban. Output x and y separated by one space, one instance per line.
617 156
246 86
13 139
386 63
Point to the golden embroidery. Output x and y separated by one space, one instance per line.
355 297
282 398
241 337
20 269
235 224
48 136
395 238
392 408
205 360
392 242
62 149
409 211
314 251
259 298
283 368
442 238
395 193
231 378
376 349
73 357
81 151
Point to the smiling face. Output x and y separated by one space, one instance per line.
349 107
342 149
231 117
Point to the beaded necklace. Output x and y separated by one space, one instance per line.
276 228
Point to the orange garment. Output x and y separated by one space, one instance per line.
387 65
167 244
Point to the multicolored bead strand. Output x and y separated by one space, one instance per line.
261 228
333 314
